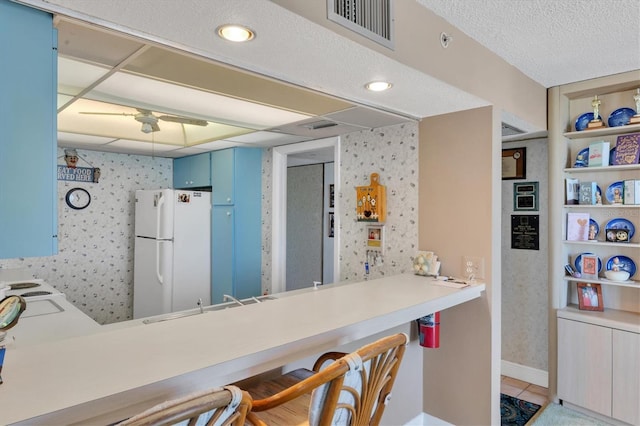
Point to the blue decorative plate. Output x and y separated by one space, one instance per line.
578 263
615 192
582 159
620 117
621 223
624 264
583 120
595 227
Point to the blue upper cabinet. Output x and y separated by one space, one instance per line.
193 171
222 176
28 81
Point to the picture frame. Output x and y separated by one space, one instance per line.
331 225
617 235
590 265
331 196
514 163
375 237
590 297
525 196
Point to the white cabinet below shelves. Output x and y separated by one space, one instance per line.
606 378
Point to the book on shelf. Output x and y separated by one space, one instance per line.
632 191
599 154
627 150
588 193
573 191
577 226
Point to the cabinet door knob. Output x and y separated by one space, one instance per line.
228 213
228 199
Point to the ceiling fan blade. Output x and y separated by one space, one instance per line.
107 113
183 120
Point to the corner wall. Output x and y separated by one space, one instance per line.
458 211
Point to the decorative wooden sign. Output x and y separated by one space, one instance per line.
371 204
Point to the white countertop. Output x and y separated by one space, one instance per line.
217 347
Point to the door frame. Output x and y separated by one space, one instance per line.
279 208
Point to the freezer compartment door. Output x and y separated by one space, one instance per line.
152 277
154 213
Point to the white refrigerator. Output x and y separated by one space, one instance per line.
172 252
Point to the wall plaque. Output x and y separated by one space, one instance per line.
525 232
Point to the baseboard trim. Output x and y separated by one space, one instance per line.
524 373
424 419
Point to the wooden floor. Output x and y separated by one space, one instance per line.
523 390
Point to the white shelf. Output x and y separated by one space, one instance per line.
630 283
613 318
607 131
602 206
603 243
621 168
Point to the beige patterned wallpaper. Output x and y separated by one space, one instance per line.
525 305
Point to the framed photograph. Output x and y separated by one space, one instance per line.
589 265
514 162
375 237
590 297
330 225
525 196
331 196
617 235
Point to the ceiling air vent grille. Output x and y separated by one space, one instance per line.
370 18
508 130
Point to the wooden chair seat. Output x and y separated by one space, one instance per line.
353 389
226 406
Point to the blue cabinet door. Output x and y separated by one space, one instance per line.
28 81
222 252
193 171
222 176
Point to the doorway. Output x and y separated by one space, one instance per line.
281 156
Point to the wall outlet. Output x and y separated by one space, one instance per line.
472 267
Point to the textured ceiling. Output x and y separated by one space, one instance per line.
553 42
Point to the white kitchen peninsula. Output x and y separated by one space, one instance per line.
108 375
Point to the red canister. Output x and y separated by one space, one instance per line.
430 330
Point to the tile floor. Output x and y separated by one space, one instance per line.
523 390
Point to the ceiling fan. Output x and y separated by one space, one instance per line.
150 121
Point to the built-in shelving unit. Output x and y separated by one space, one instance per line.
584 338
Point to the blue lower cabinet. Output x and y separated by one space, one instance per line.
222 252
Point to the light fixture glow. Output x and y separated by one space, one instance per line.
236 33
146 128
378 86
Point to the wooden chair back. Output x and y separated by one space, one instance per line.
226 406
352 390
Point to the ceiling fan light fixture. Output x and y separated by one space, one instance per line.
378 86
236 33
146 128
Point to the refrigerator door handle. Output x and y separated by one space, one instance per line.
158 263
159 216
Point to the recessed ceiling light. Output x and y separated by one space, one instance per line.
236 33
378 86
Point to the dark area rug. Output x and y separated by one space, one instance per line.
514 411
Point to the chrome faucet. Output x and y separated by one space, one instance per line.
226 297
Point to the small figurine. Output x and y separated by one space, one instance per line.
71 158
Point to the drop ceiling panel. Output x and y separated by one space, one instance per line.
93 44
196 72
75 76
136 90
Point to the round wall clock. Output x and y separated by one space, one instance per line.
78 198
